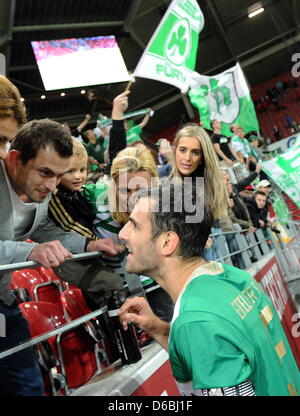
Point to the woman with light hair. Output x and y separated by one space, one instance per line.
133 168
113 199
195 157
12 113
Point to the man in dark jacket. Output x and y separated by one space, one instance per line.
256 209
239 208
247 192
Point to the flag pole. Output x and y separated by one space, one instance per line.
128 86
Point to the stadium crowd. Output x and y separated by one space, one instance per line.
74 189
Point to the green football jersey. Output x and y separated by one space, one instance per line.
225 331
133 134
247 148
104 224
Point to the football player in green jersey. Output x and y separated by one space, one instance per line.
225 337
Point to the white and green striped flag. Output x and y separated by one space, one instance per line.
170 56
224 97
284 170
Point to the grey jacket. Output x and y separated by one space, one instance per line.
14 250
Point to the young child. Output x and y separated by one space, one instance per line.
68 208
72 212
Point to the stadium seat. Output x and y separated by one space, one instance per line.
292 207
74 303
48 274
51 276
72 352
76 307
26 278
38 286
271 116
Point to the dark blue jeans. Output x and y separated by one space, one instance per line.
20 374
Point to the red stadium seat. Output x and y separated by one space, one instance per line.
26 278
289 104
75 306
48 274
74 303
38 286
49 317
74 350
51 276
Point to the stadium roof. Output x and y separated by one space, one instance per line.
264 46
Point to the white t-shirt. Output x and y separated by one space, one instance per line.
23 213
237 144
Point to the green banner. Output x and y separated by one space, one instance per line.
284 170
224 97
170 56
281 210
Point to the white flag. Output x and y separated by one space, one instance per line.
224 97
170 56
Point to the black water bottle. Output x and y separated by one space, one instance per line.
128 346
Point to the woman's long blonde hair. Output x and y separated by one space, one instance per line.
131 160
215 191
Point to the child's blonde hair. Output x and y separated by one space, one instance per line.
78 148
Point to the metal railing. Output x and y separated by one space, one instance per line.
63 328
253 241
33 264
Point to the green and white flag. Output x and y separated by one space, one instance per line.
170 56
284 170
224 97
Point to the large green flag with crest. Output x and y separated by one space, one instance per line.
170 56
224 97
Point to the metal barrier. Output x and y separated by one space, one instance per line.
288 256
60 330
237 172
33 264
77 322
254 242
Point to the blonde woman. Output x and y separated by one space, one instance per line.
112 200
194 156
111 197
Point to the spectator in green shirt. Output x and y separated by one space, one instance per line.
254 151
95 148
133 133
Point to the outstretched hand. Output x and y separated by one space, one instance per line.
138 311
120 105
50 254
107 246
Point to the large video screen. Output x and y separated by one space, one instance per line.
70 63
